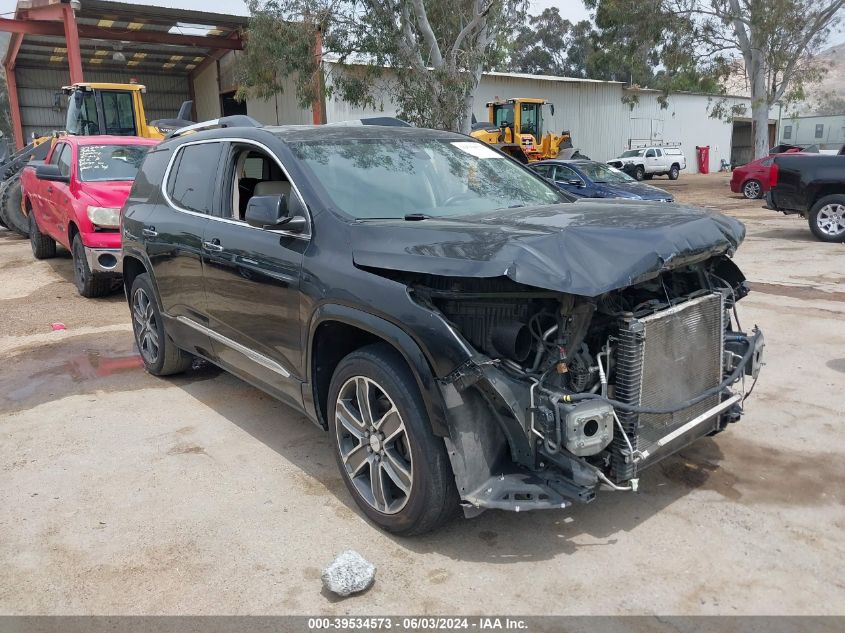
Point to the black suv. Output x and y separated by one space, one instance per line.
467 335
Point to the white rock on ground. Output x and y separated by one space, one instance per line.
349 573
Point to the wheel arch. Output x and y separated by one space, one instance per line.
824 191
337 331
132 267
72 232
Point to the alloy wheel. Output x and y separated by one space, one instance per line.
751 189
374 444
831 219
146 326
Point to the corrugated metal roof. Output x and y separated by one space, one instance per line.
132 22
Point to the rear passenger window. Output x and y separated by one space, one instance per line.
193 175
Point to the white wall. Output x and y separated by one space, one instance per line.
593 111
207 94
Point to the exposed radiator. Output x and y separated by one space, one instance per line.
663 359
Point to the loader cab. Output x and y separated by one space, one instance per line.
114 109
519 116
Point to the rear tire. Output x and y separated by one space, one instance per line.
10 201
160 355
639 172
827 218
394 466
43 246
752 189
674 172
88 283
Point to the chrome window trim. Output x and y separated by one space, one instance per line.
269 152
251 354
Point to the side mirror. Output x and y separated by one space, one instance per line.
271 212
50 172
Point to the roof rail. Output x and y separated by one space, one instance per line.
389 121
236 120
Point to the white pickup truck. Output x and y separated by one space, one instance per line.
647 162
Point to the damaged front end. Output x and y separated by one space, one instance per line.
564 394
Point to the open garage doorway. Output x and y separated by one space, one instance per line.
229 105
742 142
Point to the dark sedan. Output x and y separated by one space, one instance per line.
589 179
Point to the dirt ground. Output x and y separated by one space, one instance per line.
126 494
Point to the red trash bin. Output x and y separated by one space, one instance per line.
703 159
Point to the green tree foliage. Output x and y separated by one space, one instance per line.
638 42
549 44
433 51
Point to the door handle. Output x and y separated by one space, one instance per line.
49 190
149 232
214 245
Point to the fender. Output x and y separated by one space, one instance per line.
395 336
127 250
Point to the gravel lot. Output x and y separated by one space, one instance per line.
125 494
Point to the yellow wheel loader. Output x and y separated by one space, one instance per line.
92 109
516 127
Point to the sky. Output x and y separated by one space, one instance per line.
573 10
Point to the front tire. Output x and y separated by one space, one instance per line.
160 355
43 246
88 283
827 218
639 172
393 465
752 189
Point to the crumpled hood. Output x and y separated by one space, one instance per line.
587 248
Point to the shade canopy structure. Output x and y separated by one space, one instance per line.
57 42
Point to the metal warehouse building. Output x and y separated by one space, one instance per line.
179 54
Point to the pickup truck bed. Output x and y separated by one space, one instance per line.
814 187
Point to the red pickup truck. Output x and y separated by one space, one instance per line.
74 198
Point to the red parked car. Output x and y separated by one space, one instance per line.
752 179
74 198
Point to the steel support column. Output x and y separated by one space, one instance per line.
14 106
74 55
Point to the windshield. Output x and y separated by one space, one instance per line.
632 152
391 178
110 162
597 172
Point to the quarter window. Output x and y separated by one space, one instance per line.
565 174
64 161
192 176
57 152
544 170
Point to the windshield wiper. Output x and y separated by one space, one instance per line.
416 217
